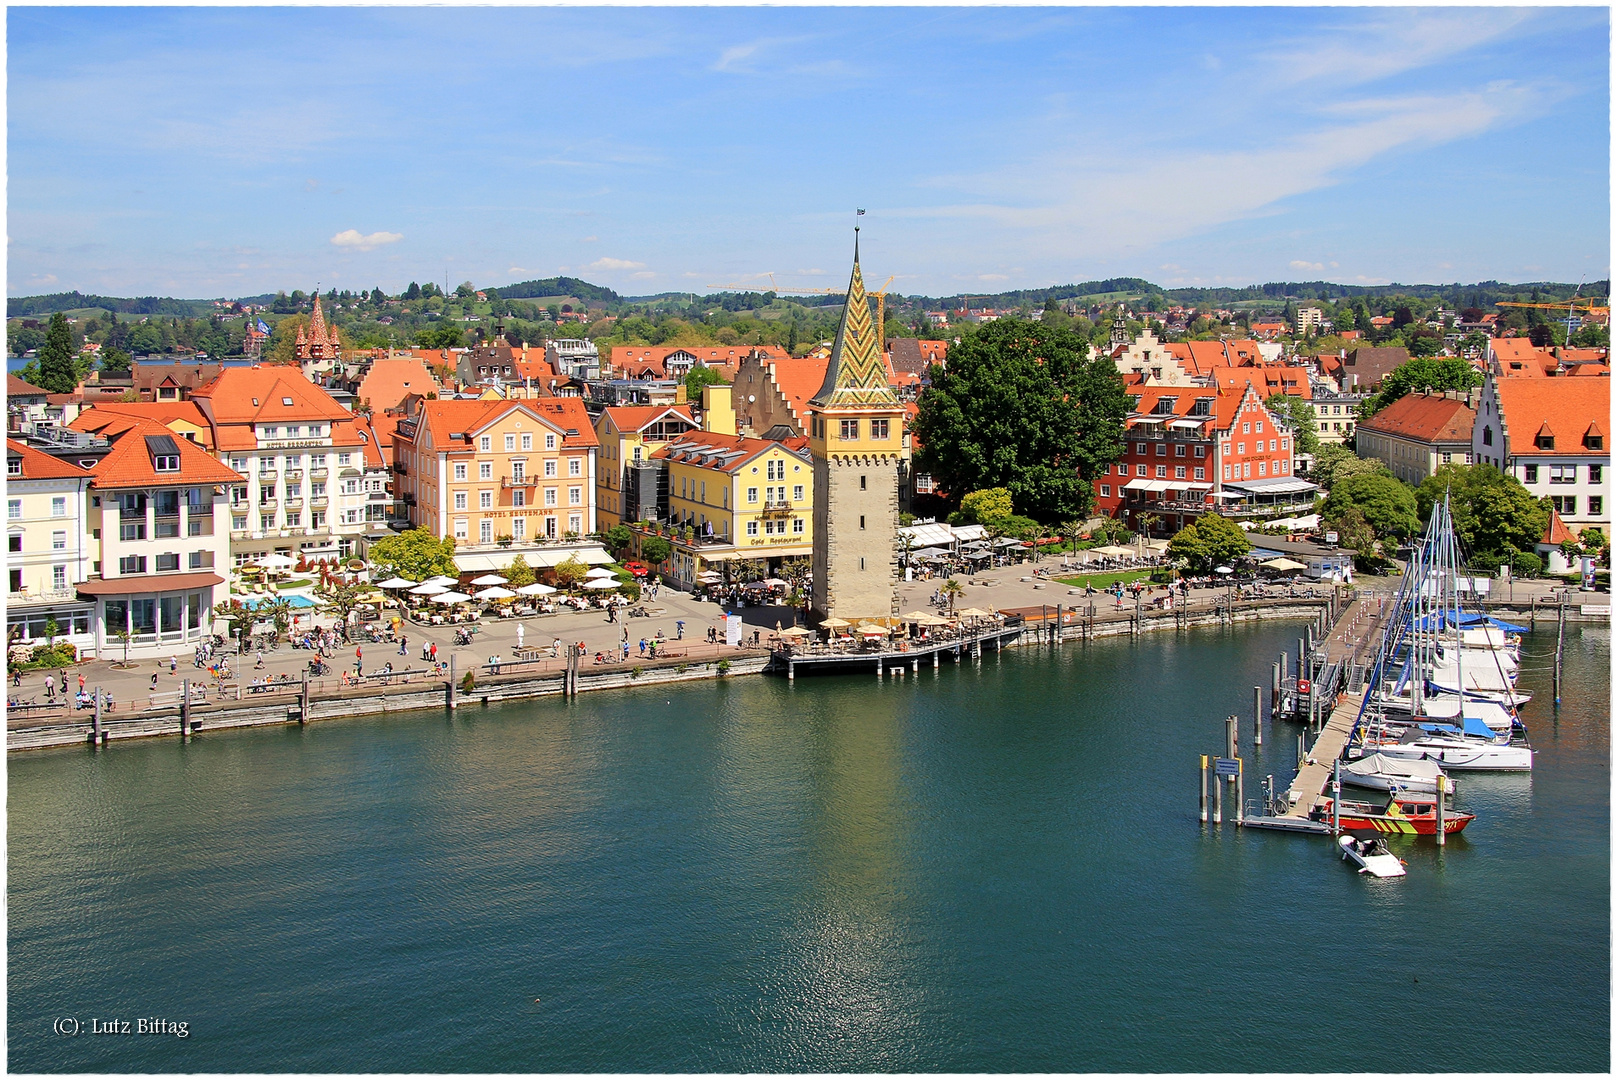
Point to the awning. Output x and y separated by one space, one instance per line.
1150 485
1280 485
153 583
477 562
1192 424
932 534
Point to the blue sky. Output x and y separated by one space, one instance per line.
228 152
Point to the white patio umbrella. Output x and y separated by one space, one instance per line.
1222 570
494 592
396 583
603 583
489 579
441 579
276 562
536 589
598 573
450 598
428 588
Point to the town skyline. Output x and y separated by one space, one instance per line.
646 151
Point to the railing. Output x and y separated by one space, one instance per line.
378 496
318 500
268 474
518 481
777 507
294 474
294 502
319 473
267 502
40 596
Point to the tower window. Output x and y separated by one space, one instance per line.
861 521
850 429
861 483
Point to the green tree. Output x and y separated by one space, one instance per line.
1225 540
570 571
797 573
114 361
655 550
1387 503
1355 533
1327 460
699 376
1425 373
57 370
988 507
415 554
952 591
519 573
1020 406
619 539
1494 515
1187 546
1299 416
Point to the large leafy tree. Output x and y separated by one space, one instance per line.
339 598
1425 373
1022 407
415 554
57 371
1327 460
1387 503
1209 541
989 506
1493 513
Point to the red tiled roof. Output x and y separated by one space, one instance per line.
15 387
1567 407
1427 418
800 380
108 417
259 395
130 462
648 359
1269 379
690 446
1556 533
38 465
636 417
446 418
388 380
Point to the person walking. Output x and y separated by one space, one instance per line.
81 682
16 677
679 629
521 631
154 681
433 653
642 646
404 643
50 686
173 665
260 660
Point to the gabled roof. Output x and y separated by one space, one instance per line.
1372 364
798 381
650 359
1224 404
1566 406
129 464
725 453
113 417
1200 357
1427 418
38 465
389 379
16 388
639 417
267 394
1269 379
566 415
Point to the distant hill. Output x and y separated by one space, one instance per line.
558 286
20 306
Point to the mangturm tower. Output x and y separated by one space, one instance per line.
856 434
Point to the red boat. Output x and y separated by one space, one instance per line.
1407 815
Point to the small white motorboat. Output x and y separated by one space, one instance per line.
1381 773
1372 856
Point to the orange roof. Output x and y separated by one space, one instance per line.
1226 402
639 417
800 380
15 387
112 417
130 462
38 465
388 380
566 414
724 453
1568 408
649 359
374 433
1270 379
1519 349
1428 418
1556 533
267 394
1202 356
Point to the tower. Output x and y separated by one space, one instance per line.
856 433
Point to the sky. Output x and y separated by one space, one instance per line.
229 152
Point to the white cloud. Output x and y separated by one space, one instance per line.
351 238
993 277
590 239
43 279
1400 42
1301 264
517 270
608 263
644 274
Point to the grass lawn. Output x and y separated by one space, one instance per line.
1104 581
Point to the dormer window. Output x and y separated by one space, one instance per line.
1202 406
166 462
1545 439
14 466
1594 438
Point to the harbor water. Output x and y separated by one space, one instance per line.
994 867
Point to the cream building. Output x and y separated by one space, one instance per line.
49 547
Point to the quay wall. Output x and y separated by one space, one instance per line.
282 707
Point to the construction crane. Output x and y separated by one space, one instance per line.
1576 304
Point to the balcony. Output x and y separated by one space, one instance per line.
518 481
294 502
378 496
779 507
317 500
167 528
268 504
267 475
320 473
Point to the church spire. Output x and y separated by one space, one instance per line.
856 374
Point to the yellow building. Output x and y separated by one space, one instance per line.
627 488
739 498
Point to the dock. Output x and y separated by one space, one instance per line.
1345 649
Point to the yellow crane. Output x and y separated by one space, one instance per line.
1589 307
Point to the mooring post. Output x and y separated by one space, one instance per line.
878 670
95 721
1274 688
185 707
1056 636
1240 792
1257 716
1218 803
1302 752
1230 736
1441 787
1336 797
1204 790
449 692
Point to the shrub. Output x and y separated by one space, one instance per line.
1526 564
722 666
467 682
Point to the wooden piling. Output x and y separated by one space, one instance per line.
1218 803
1274 688
1230 737
1203 808
449 688
1441 786
185 708
1257 716
95 721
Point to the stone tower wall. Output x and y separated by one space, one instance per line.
842 587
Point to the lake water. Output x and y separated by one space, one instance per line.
995 868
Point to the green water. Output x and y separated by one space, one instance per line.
994 868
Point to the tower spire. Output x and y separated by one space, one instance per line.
856 374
